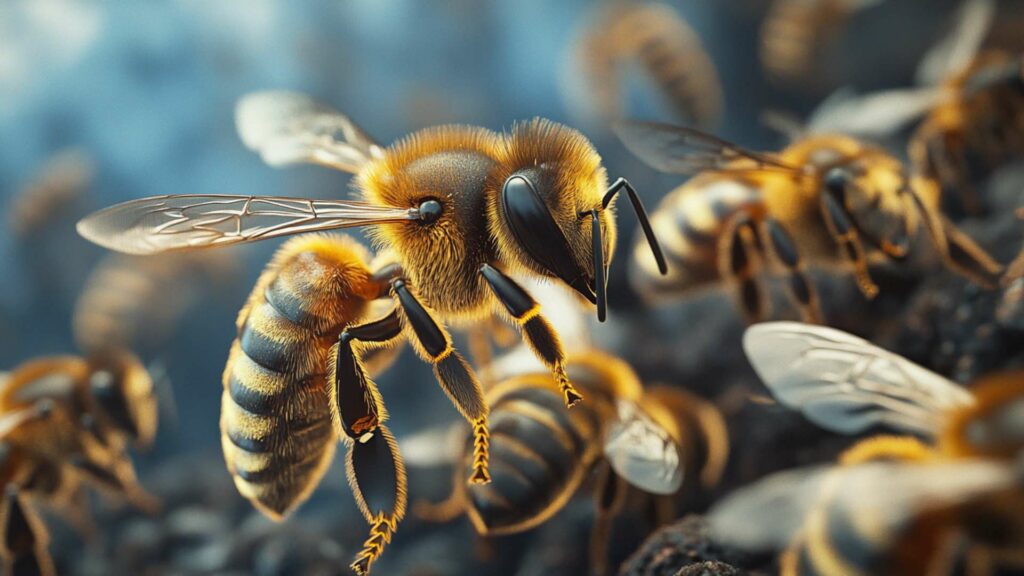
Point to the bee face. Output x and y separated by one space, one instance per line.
550 183
123 392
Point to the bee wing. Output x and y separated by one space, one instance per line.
768 514
680 150
290 128
846 384
178 222
873 115
642 452
955 52
12 420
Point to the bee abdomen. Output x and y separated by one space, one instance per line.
539 455
689 224
794 34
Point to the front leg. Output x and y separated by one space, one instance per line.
434 344
841 228
539 334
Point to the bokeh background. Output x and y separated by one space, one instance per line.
146 90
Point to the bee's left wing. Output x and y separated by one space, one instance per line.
846 384
955 52
642 452
180 222
874 115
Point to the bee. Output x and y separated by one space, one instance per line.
115 309
893 504
796 35
623 435
970 108
824 200
65 424
662 43
61 181
459 207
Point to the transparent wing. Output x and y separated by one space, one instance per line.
873 115
955 52
680 150
846 384
642 452
291 128
163 223
883 496
12 420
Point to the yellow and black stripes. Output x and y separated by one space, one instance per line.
539 455
380 535
277 433
689 224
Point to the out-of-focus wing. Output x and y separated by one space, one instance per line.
846 384
873 115
12 420
178 222
955 52
679 150
642 452
883 497
291 128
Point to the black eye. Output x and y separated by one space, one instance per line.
429 211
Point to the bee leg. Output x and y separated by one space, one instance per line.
537 332
355 402
738 249
956 249
800 287
950 168
117 478
24 539
609 495
376 474
841 227
452 371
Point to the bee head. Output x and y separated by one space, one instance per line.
554 213
122 390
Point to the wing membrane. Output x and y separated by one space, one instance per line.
846 384
178 222
680 150
642 452
873 115
291 128
955 52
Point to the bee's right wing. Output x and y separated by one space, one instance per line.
679 150
874 115
955 52
179 222
883 497
846 384
291 128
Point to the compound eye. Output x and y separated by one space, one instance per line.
429 211
836 180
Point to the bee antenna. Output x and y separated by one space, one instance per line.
600 281
641 216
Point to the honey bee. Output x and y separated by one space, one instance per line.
65 424
796 35
662 43
62 180
892 505
970 107
623 435
457 207
115 310
825 200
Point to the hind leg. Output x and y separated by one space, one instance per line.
740 252
958 252
376 474
24 538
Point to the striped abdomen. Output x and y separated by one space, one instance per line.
276 425
540 452
796 33
672 54
689 224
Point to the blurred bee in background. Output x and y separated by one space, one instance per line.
116 311
623 436
970 107
66 424
825 200
55 189
454 205
655 37
797 36
1015 270
894 504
